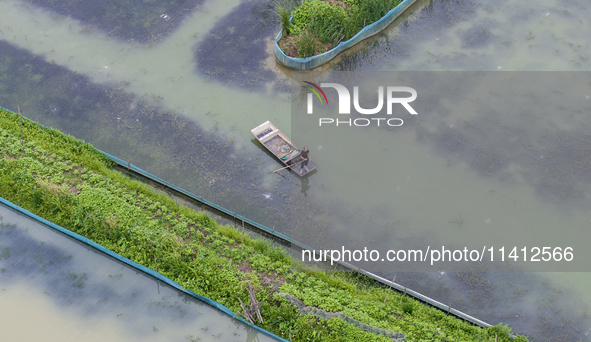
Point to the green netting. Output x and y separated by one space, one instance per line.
316 61
90 291
137 266
275 234
423 298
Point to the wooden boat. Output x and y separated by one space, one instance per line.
281 147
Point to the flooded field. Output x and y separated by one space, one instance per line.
73 292
139 22
183 109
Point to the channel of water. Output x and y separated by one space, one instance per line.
447 36
69 291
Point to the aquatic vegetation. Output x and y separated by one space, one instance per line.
233 51
142 21
192 249
390 52
330 22
134 128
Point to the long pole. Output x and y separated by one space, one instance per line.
390 288
290 165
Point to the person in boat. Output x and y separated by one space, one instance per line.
305 154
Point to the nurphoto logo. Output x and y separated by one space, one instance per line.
344 104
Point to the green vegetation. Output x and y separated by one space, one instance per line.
306 45
327 23
284 17
407 306
73 185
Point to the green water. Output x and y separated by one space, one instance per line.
71 292
430 188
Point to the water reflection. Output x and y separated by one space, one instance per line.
136 21
235 50
305 186
72 291
480 35
442 35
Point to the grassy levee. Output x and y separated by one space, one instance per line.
68 182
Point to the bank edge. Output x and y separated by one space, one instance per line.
445 308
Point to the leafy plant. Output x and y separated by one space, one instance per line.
306 45
407 307
284 16
335 23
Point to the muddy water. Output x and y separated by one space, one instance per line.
164 71
492 183
466 178
480 35
56 289
463 164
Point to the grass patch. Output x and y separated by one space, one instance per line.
305 45
68 182
327 23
